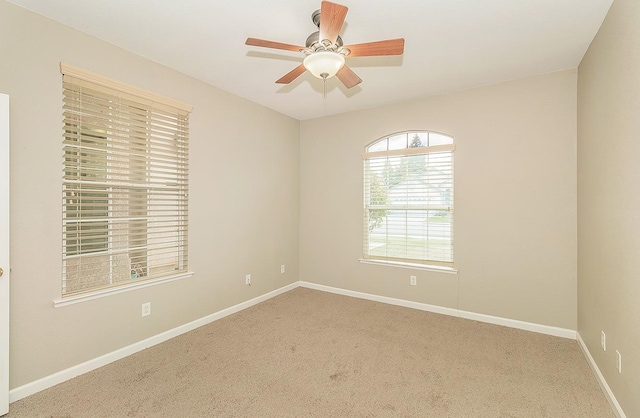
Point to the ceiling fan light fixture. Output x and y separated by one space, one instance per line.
324 64
325 49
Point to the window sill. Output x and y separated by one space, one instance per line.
114 290
415 266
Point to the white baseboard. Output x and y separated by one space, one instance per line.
511 323
382 299
617 409
64 375
514 323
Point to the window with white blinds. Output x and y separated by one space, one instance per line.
125 184
408 199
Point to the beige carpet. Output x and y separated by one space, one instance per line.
313 354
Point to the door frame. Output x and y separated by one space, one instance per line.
4 254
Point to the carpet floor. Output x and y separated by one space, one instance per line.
308 353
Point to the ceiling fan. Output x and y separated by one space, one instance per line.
324 49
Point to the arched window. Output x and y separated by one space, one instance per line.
408 199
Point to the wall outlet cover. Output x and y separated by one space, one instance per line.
146 309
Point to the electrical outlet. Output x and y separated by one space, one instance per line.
247 280
282 269
618 361
146 309
412 280
603 341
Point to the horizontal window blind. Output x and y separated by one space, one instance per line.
125 184
408 199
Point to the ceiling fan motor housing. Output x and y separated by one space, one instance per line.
313 41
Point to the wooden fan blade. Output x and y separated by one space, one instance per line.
348 77
331 19
368 49
271 44
292 75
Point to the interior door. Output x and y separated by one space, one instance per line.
4 254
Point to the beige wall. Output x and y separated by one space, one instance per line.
243 201
609 200
515 200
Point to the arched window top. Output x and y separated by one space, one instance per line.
409 139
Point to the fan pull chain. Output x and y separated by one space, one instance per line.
324 83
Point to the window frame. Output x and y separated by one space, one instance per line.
400 153
148 181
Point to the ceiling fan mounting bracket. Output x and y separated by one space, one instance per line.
315 18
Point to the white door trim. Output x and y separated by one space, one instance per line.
4 254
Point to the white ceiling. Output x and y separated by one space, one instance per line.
449 44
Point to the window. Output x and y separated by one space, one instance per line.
408 199
125 184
